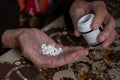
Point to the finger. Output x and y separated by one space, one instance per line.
72 56
108 41
76 31
100 11
75 17
108 29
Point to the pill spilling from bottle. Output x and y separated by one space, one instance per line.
50 49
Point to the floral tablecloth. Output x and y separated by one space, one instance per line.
100 64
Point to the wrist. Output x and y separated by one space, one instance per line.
10 38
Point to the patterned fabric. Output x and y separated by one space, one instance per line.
100 64
113 7
37 13
34 6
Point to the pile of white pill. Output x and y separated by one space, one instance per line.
50 49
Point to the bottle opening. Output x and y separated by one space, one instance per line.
85 19
84 23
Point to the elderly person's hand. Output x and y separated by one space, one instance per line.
29 41
81 7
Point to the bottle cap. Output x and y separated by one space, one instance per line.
84 24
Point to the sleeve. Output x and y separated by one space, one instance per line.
9 16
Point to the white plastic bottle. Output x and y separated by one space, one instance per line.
90 35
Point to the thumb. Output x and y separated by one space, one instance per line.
76 31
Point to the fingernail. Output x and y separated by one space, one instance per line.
102 38
105 45
85 52
77 33
95 26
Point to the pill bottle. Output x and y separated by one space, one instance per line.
90 35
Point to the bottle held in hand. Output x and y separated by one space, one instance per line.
90 35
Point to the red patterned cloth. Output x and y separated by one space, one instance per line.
34 6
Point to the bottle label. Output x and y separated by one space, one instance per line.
91 37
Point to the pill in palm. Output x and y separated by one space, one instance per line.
50 49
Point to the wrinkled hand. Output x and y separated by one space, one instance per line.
81 7
30 41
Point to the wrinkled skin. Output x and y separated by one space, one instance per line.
29 40
30 43
82 7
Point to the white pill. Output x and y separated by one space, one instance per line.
50 49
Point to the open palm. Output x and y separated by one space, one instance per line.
30 42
